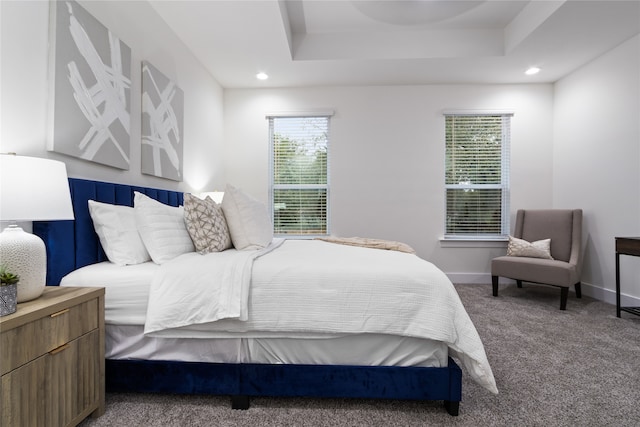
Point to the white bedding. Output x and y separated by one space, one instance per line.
129 342
309 288
126 296
126 289
302 289
219 281
355 349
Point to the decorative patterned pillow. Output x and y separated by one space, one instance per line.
206 224
161 228
537 249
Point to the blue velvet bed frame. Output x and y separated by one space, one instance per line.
74 244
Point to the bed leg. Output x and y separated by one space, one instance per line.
452 407
240 402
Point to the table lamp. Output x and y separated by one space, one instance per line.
31 189
216 196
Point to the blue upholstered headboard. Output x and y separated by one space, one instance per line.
74 244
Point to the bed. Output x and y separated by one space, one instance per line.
150 348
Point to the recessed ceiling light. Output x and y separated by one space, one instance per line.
262 76
531 71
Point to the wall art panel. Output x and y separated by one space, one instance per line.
90 81
162 124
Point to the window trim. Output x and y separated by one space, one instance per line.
293 114
480 240
473 243
272 186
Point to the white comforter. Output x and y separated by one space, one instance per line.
307 288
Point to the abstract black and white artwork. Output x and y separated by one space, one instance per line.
162 123
90 102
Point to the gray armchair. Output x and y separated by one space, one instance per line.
564 228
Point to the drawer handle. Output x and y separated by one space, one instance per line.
66 310
59 349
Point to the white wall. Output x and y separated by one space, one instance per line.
597 162
387 157
24 38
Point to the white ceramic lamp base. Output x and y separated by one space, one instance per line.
24 254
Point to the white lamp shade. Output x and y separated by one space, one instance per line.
33 189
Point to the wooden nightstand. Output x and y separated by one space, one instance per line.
52 359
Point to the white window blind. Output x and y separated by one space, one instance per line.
299 192
477 175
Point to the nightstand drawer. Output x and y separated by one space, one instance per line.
57 389
46 334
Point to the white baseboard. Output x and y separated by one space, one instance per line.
475 278
609 295
593 291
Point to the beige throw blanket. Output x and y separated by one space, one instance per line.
369 243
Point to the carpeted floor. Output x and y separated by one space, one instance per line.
579 367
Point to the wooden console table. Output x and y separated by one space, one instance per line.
625 246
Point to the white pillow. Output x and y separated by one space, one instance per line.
537 249
162 228
116 228
247 218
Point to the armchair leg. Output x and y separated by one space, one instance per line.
564 293
494 282
579 290
519 283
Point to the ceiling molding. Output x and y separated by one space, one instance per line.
530 18
330 43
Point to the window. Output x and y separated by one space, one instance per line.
299 191
477 175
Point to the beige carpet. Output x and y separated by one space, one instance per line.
579 367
